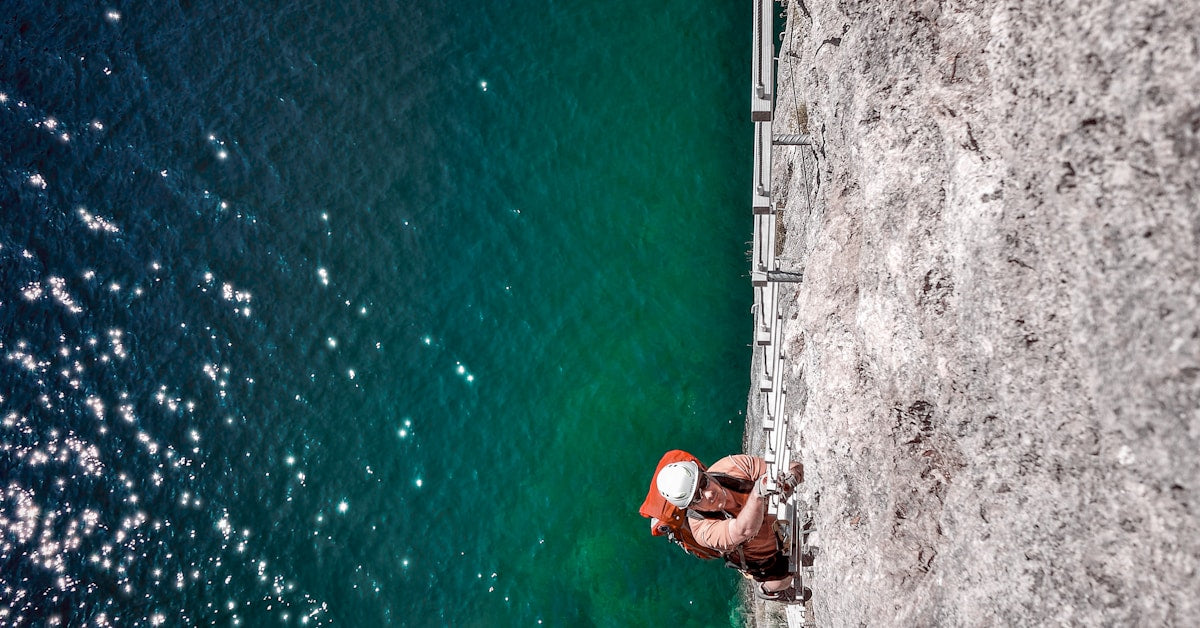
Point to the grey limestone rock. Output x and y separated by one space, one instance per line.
993 360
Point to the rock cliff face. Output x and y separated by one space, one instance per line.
994 357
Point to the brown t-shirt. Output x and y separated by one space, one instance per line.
714 533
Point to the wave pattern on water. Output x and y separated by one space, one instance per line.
308 310
113 376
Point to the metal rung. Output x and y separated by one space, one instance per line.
792 139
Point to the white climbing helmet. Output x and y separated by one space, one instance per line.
677 482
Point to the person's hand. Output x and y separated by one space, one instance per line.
761 489
790 480
796 471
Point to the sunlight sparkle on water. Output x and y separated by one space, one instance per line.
96 223
47 523
462 371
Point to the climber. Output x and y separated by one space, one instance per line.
726 508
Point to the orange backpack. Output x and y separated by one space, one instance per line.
669 521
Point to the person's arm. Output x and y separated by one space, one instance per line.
725 535
746 525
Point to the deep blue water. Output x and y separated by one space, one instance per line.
366 313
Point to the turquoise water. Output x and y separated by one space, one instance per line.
367 313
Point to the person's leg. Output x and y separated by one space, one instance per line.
772 586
